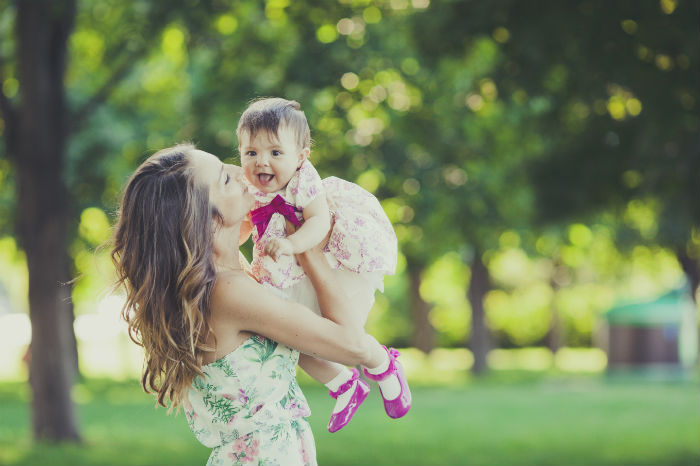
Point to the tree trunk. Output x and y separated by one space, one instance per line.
479 338
555 336
423 333
43 211
691 267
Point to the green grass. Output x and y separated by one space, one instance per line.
500 420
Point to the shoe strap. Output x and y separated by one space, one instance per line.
346 386
393 354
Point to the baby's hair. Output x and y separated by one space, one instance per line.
268 113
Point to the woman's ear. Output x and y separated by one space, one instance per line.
303 155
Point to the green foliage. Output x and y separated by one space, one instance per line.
562 144
14 281
444 284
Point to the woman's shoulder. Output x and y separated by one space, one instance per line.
236 291
230 301
229 281
229 288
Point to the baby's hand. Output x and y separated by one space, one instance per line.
277 247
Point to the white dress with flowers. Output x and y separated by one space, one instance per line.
249 408
362 248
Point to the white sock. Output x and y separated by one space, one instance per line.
334 384
390 386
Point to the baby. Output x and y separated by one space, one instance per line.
274 144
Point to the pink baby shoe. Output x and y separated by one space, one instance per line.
400 405
340 419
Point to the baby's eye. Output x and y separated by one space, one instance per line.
276 152
251 153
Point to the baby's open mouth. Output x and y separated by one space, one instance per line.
265 178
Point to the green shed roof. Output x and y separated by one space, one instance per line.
666 309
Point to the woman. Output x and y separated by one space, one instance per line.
215 341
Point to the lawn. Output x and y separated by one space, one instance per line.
499 420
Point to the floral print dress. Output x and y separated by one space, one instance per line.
249 408
363 240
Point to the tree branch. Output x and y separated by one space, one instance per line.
9 115
122 70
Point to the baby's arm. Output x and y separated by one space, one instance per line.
317 222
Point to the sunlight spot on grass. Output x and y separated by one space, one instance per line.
453 359
81 394
580 360
529 359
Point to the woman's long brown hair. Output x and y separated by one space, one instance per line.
163 255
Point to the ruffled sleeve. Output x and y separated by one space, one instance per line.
304 186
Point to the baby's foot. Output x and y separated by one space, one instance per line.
392 384
348 397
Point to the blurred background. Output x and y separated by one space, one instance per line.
539 162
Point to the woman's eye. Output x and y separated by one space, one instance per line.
227 179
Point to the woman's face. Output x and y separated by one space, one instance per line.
227 191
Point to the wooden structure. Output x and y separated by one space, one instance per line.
662 332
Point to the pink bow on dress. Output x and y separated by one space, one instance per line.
262 215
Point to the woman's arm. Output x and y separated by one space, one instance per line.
253 308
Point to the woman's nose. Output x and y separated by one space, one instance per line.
239 177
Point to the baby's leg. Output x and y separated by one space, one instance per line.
360 293
363 299
330 374
343 384
319 369
336 378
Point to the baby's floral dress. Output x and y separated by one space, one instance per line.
249 408
363 240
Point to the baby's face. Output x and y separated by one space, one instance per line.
269 161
